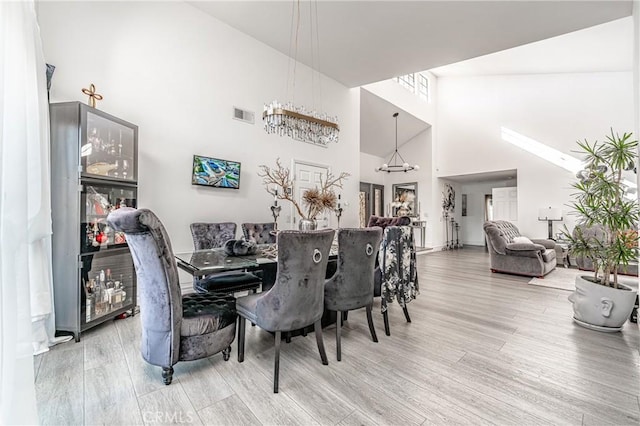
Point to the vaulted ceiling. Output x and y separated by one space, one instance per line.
362 42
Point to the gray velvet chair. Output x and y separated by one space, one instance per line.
383 222
352 285
215 235
261 232
536 257
174 327
396 276
296 300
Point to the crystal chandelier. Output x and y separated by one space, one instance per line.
298 123
392 165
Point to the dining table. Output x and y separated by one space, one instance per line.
200 263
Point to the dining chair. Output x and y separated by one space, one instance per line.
352 285
174 327
261 232
296 299
215 235
396 276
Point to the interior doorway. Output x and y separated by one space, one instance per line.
371 202
488 213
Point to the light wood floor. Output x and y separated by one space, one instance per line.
482 349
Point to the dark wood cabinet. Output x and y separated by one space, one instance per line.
93 171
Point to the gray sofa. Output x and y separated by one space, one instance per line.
596 231
536 258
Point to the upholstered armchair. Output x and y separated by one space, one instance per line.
352 285
512 253
215 235
211 235
396 276
596 232
296 299
262 233
174 327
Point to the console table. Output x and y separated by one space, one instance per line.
422 226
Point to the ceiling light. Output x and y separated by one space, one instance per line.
298 122
392 165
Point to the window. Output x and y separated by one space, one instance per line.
417 83
407 81
423 87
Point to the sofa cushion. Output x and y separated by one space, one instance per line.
522 239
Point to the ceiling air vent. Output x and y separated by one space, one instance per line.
242 115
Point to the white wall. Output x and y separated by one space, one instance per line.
368 164
176 73
471 232
555 109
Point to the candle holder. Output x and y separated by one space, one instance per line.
338 212
275 211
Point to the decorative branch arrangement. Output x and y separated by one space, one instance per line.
316 200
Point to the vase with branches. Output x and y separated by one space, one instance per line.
279 182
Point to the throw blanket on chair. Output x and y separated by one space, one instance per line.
397 256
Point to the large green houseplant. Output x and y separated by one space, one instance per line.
606 230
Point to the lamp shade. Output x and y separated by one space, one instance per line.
549 213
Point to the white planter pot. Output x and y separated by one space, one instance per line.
601 308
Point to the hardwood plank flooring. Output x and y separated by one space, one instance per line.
481 349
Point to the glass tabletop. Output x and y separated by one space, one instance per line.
203 261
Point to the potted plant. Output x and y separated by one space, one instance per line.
605 232
278 182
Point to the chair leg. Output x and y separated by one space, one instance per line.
385 316
226 353
338 327
167 375
406 313
317 328
241 330
372 329
276 368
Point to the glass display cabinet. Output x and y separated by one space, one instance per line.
93 171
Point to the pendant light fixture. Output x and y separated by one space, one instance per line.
298 122
392 165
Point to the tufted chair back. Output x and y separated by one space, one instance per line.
352 285
383 222
261 232
499 233
212 235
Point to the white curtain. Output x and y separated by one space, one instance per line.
26 304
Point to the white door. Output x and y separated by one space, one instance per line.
308 176
505 203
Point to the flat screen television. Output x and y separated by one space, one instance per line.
215 172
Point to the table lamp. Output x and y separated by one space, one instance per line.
550 215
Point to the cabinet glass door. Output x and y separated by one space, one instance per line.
108 284
97 200
108 147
